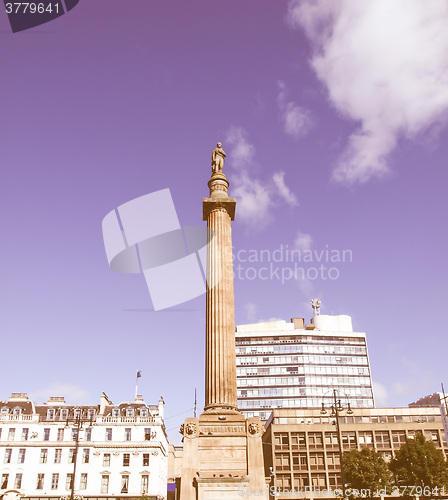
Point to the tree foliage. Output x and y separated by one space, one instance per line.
366 471
419 463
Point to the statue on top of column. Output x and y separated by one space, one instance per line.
218 156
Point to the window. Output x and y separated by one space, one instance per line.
57 455
64 414
365 439
40 482
349 439
126 459
106 461
25 432
71 456
8 453
315 439
51 412
301 480
148 435
282 461
46 434
124 484
21 457
331 440
91 414
17 410
281 441
77 412
145 481
318 480
69 482
18 481
333 461
89 434
85 455
43 455
316 461
60 435
127 434
11 434
283 481
54 481
297 441
398 438
74 434
129 412
83 482
143 412
145 459
115 412
104 484
4 484
5 410
382 439
109 434
299 461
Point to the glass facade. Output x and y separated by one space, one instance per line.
298 368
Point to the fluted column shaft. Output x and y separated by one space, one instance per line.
220 365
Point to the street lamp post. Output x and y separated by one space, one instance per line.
336 408
78 420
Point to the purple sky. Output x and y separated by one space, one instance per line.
332 115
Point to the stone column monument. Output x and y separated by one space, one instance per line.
222 455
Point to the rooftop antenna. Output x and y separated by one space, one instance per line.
315 304
195 403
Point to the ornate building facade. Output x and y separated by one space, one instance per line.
94 451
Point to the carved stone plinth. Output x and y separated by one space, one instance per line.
222 457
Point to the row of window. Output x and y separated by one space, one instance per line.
359 398
309 349
300 391
288 339
40 481
302 370
382 439
358 419
74 434
328 381
63 413
302 359
43 457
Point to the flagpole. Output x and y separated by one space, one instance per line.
139 374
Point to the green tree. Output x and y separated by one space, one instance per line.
366 471
419 463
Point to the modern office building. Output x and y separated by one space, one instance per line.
102 451
302 448
293 365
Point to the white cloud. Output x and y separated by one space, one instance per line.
242 151
251 311
303 241
384 64
380 393
256 198
72 393
283 189
296 120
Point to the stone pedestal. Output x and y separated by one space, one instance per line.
222 455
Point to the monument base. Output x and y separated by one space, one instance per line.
222 457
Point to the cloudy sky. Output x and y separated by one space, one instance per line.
333 117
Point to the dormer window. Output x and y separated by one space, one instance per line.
115 412
17 410
77 412
64 414
129 412
143 412
5 410
91 414
51 412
